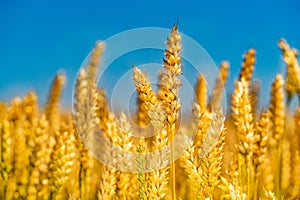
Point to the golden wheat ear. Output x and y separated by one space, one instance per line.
248 63
102 108
169 89
219 87
6 148
62 158
290 57
294 187
201 92
277 109
244 123
86 120
203 163
52 106
146 96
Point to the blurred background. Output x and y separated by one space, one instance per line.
40 38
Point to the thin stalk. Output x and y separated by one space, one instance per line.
248 182
240 170
255 197
81 181
5 190
278 170
141 171
171 133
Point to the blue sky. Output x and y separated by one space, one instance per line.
39 38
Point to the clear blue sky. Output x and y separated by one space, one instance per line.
38 38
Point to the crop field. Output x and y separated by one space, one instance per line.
49 152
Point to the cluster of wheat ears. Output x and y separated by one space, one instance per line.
252 154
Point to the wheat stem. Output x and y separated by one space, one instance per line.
171 132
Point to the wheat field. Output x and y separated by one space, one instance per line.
253 154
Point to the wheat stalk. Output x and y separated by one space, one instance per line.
168 92
277 109
243 120
86 117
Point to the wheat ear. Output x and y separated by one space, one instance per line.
127 182
203 163
260 147
102 109
211 163
243 120
6 150
168 92
158 179
30 109
22 152
53 104
86 118
62 157
290 57
248 63
38 179
146 100
219 87
108 179
147 103
294 187
277 108
201 92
